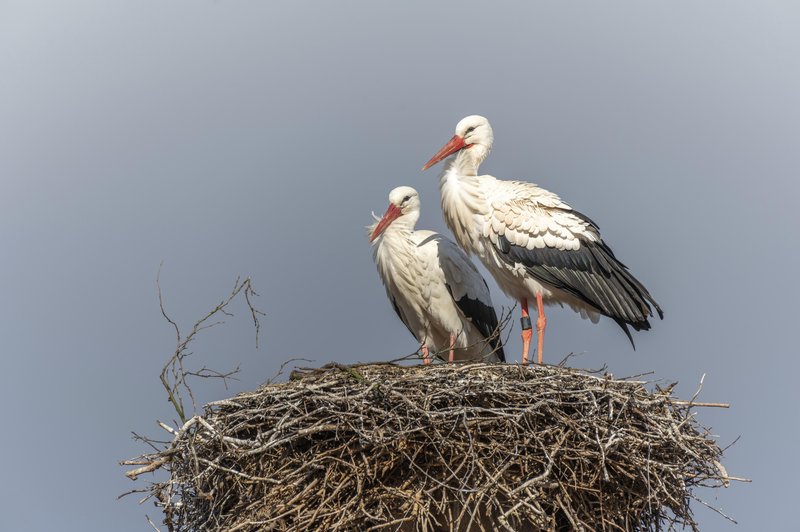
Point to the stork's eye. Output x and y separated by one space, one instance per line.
470 130
406 199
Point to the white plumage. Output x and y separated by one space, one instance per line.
535 245
435 289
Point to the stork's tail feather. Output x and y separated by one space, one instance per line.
624 326
497 346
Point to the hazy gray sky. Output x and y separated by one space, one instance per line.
254 138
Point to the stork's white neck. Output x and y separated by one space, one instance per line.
467 160
395 255
404 225
462 199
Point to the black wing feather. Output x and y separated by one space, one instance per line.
592 274
484 318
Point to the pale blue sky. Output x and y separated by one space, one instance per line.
254 138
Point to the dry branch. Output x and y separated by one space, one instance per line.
446 447
174 374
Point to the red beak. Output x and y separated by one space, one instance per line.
455 144
392 214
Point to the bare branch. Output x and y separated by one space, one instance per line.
174 374
150 521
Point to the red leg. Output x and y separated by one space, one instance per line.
452 346
541 323
527 334
426 357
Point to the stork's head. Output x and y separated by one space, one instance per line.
473 137
403 209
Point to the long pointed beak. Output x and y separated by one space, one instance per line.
392 214
452 146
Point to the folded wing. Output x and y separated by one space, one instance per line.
562 248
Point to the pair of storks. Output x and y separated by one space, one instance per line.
535 246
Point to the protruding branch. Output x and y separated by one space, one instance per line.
174 374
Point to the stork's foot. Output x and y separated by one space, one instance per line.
426 357
525 324
452 347
541 324
527 334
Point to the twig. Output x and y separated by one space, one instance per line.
174 374
152 524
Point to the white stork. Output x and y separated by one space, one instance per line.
534 244
435 289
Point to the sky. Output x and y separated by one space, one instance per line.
241 138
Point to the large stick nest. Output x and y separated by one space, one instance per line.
444 447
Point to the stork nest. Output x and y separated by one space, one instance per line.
444 447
